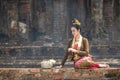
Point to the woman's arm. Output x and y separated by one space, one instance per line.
64 59
66 53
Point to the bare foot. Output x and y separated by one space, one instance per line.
104 66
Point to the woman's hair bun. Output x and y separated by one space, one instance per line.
76 22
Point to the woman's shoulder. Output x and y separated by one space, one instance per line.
70 40
85 39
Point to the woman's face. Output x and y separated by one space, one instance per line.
75 32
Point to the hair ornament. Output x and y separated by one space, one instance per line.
76 22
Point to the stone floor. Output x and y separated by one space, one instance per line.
35 63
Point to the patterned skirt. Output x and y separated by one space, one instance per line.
85 62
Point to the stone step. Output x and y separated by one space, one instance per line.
25 63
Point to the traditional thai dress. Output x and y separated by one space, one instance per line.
82 58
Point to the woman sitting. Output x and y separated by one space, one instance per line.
78 50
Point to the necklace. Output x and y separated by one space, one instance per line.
76 40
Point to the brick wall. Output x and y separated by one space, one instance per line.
59 74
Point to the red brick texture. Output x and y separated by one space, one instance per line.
59 74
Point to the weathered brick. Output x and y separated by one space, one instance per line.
58 76
38 75
34 70
85 75
25 71
46 70
75 75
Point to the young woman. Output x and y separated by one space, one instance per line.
78 50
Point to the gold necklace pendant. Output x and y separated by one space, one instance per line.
77 40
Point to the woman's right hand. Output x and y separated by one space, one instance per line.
72 50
